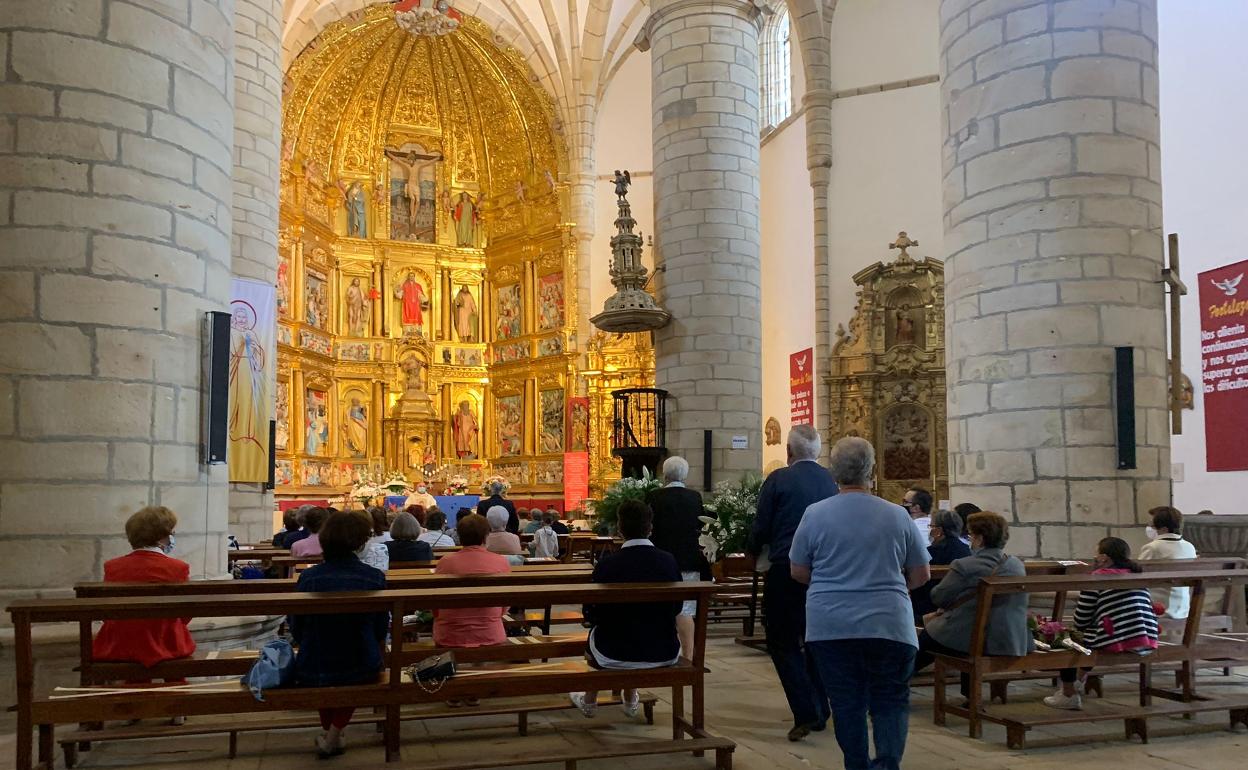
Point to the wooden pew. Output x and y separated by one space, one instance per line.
492 675
1194 647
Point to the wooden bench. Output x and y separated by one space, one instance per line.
1228 617
1195 646
488 673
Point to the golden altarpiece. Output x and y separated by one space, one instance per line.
886 380
427 273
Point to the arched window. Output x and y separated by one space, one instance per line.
776 99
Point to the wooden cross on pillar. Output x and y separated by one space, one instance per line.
1177 290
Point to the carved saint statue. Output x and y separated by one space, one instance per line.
414 368
465 216
357 220
357 309
414 302
622 180
356 432
464 427
905 326
465 315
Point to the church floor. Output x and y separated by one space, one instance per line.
744 702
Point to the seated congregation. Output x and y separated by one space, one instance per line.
864 600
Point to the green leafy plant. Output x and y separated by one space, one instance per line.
732 509
606 508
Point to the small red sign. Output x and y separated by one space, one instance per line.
802 387
1224 366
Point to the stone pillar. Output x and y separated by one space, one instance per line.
257 151
704 59
115 194
1053 231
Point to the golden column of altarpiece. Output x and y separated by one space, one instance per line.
427 277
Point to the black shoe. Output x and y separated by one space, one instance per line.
818 728
799 732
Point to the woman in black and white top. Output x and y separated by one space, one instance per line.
1114 620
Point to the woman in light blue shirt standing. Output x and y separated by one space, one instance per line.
861 556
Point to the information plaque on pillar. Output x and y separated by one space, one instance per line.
1224 365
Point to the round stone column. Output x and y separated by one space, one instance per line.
115 227
704 64
257 160
1053 231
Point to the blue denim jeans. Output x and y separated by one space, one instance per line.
867 676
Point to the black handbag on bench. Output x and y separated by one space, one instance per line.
432 672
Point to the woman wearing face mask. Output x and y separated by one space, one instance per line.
336 649
946 547
150 532
1167 543
948 630
1115 620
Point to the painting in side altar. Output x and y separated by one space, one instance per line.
510 305
358 303
413 193
316 300
550 301
578 424
316 423
466 316
510 416
355 424
551 436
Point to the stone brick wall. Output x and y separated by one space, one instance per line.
115 223
257 157
1053 234
704 61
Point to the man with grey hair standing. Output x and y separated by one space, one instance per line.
861 555
496 498
782 501
676 529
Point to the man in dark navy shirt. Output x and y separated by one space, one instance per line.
785 495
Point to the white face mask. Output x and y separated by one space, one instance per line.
168 547
1151 532
420 490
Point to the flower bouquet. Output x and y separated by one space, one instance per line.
492 480
1050 634
364 492
733 508
607 508
396 484
457 485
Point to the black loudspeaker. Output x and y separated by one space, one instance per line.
707 481
1124 404
214 388
272 482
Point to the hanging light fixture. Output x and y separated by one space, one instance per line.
631 308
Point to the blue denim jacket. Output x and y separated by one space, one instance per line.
339 649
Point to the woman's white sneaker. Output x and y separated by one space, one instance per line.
1060 700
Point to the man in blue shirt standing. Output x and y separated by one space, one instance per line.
785 495
861 555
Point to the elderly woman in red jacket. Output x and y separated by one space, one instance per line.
150 532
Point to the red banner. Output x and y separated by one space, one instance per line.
802 387
575 480
1224 366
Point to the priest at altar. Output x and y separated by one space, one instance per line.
420 497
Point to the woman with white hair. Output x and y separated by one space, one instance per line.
496 498
676 528
860 555
500 540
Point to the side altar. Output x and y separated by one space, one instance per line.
886 380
